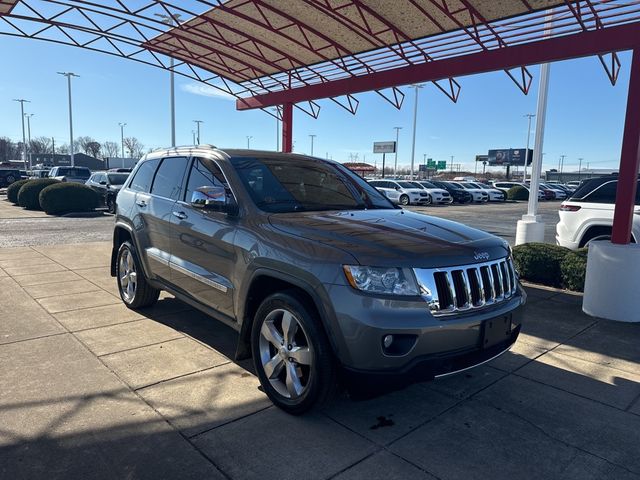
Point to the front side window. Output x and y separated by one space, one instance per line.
203 173
283 185
168 180
144 176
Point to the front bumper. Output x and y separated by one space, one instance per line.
363 321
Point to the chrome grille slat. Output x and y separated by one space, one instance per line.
467 287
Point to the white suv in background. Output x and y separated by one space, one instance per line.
478 194
401 192
588 215
495 194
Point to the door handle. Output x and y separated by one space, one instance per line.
180 215
141 203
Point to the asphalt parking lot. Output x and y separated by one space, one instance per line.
23 228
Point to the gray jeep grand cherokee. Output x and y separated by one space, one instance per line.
321 275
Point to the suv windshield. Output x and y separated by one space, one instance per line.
118 178
428 185
74 172
279 186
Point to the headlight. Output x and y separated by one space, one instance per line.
389 281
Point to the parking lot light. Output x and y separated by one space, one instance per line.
24 139
69 75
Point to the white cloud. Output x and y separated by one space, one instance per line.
206 91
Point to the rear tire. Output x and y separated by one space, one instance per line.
291 354
133 286
10 179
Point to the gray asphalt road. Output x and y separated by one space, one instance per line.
54 231
498 218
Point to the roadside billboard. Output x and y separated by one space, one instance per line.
509 156
384 147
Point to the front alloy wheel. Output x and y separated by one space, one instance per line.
128 276
291 353
285 354
133 286
404 200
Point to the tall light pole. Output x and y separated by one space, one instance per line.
193 134
28 116
312 138
24 140
249 137
415 119
276 110
395 163
69 75
172 21
561 165
198 122
122 125
526 152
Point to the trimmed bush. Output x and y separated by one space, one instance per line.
65 197
540 262
13 189
518 193
573 269
28 196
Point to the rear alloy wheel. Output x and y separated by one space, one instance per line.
291 354
404 200
134 289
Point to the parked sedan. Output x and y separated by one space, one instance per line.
400 192
495 195
478 194
438 195
107 185
459 194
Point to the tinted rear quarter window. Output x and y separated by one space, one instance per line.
168 179
605 193
141 182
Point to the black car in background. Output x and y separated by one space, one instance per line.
8 176
460 195
108 184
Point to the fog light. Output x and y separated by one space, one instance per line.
387 341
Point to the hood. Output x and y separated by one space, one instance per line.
436 190
398 238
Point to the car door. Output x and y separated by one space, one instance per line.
203 253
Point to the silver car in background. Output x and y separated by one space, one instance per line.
401 192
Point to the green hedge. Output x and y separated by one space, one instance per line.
540 262
68 197
518 193
13 189
28 196
573 269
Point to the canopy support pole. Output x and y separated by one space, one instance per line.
287 127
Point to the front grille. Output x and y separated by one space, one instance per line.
467 287
422 194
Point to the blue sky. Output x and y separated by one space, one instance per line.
585 113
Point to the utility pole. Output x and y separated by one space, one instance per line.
415 118
277 115
198 122
193 134
312 137
395 163
122 125
249 137
172 20
24 139
580 169
29 115
69 75
562 157
53 143
526 152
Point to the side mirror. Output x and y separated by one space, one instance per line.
214 199
397 189
103 182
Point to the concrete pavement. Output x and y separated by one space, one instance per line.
90 389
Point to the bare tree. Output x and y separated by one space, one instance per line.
63 149
8 150
134 147
83 143
93 149
110 149
40 145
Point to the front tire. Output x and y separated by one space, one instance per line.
111 204
291 354
133 286
404 200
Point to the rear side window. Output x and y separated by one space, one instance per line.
604 194
144 176
168 179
